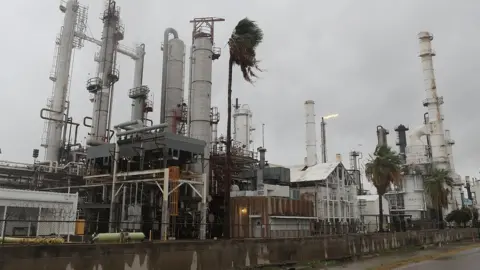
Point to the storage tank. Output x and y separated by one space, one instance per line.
175 83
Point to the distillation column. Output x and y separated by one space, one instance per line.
173 77
433 103
102 86
139 92
438 143
60 76
201 86
242 125
311 134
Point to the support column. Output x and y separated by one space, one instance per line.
4 222
203 224
165 213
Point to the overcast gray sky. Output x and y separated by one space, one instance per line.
355 58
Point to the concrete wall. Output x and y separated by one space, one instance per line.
218 255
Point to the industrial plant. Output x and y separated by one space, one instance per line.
168 179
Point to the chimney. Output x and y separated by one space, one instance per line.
338 157
311 133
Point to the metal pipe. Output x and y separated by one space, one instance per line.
127 124
159 126
85 121
166 34
190 71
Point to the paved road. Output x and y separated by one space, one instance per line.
466 260
454 256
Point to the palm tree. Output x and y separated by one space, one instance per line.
383 169
437 186
243 43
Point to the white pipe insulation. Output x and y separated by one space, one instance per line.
310 134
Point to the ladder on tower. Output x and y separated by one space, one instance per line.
173 197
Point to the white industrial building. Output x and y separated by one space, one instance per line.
329 185
37 213
369 211
332 189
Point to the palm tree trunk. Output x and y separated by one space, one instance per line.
228 174
380 213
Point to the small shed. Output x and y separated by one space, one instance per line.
271 217
37 213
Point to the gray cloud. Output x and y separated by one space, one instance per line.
355 58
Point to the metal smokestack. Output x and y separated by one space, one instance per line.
402 139
311 133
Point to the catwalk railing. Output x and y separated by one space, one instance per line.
83 230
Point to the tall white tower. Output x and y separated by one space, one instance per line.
102 85
433 104
310 134
57 106
174 50
200 97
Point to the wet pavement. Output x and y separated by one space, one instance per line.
466 260
464 256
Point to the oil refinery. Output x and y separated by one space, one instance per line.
168 179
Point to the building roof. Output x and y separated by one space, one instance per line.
12 195
316 172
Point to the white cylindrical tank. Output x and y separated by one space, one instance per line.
62 69
310 133
242 122
175 82
200 94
